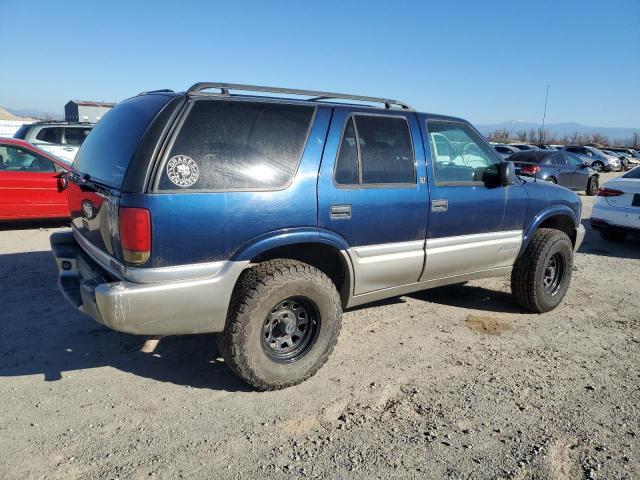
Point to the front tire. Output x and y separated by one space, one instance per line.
598 166
541 276
282 325
592 186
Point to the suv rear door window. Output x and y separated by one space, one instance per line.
376 150
50 135
75 136
237 145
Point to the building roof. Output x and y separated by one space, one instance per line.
90 103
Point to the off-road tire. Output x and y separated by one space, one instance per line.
259 289
527 285
613 236
592 186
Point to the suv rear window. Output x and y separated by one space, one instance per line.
108 149
237 145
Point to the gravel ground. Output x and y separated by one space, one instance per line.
454 382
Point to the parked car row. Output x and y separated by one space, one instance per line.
602 160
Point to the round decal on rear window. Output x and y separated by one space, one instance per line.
182 171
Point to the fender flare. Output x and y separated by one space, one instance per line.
288 236
541 216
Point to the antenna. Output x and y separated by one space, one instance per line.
544 115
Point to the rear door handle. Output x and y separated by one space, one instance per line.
340 212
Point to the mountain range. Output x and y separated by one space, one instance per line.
560 129
34 113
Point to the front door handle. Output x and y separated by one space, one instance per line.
68 149
440 205
340 212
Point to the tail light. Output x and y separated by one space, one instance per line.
609 192
135 234
530 169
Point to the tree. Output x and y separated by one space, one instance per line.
521 135
500 136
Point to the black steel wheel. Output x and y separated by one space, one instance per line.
542 274
283 323
290 329
554 272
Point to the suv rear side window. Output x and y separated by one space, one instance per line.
375 150
50 135
75 136
237 145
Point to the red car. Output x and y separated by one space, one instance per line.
32 182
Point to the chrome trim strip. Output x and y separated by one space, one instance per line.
388 248
462 241
147 275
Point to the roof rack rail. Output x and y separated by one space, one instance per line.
314 95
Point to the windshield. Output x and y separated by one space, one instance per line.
635 173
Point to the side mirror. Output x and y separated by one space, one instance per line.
63 183
507 173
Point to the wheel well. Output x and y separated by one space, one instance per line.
562 223
324 257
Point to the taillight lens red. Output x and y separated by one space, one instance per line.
135 234
530 169
609 192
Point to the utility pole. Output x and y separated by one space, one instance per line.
544 115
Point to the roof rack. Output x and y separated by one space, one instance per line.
62 122
314 95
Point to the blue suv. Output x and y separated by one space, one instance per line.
262 217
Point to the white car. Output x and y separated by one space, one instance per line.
62 139
616 210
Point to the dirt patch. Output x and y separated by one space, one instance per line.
486 325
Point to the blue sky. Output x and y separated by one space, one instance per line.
487 61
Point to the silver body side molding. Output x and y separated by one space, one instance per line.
382 266
396 291
391 269
462 254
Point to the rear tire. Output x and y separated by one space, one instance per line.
592 186
613 236
283 323
541 276
551 180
